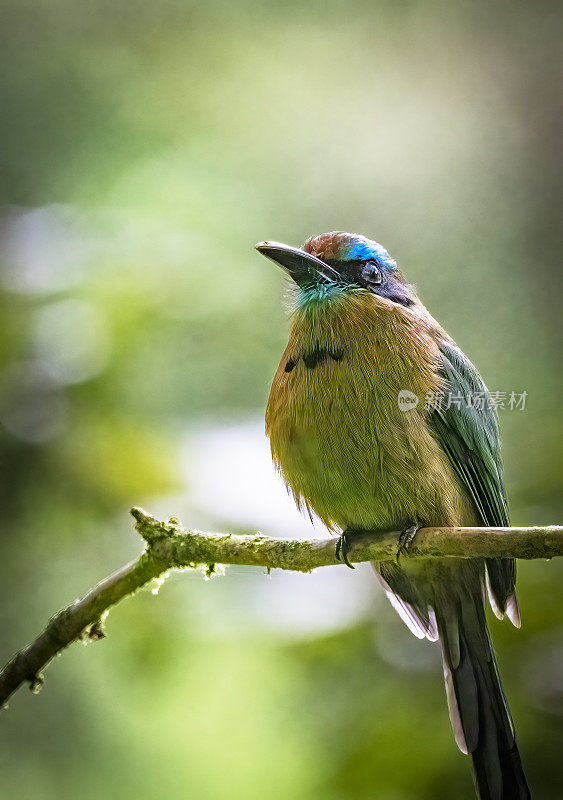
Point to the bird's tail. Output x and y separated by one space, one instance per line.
478 708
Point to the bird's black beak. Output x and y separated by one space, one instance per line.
305 269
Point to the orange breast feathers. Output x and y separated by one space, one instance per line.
346 449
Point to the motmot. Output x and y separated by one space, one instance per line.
360 461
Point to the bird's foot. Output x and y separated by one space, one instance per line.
343 546
406 539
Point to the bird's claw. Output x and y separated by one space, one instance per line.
342 548
406 539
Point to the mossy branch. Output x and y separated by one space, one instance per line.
171 547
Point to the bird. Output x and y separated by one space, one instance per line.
354 456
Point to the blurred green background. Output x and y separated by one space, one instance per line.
145 147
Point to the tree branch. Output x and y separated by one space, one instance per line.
171 547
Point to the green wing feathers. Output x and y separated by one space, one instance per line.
467 430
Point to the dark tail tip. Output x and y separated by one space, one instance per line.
479 710
499 776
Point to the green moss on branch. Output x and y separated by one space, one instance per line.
169 547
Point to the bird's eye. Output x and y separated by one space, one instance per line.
371 273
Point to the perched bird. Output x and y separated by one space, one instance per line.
348 451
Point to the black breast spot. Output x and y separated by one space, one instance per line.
289 364
320 354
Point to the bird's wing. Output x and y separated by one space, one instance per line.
466 427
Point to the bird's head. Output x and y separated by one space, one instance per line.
336 263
